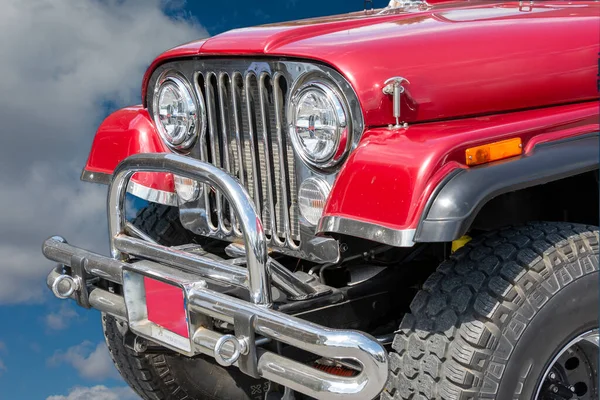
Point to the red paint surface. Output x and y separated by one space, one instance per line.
479 72
166 306
124 133
461 58
408 164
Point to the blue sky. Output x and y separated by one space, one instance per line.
94 53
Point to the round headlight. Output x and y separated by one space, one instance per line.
319 124
176 112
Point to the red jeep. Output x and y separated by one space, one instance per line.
351 207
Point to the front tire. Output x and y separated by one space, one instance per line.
489 323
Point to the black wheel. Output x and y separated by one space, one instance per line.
168 376
511 315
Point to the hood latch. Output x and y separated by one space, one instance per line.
393 87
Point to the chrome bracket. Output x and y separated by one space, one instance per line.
393 87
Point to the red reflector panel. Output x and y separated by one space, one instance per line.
166 306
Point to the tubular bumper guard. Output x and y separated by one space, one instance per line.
134 258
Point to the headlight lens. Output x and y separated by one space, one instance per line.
175 112
319 124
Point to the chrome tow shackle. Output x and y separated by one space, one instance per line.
223 355
64 286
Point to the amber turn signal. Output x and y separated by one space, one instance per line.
494 151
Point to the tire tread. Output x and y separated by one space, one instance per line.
443 345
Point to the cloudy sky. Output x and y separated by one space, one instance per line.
65 65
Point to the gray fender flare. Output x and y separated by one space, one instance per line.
454 205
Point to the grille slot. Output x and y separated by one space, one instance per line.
247 137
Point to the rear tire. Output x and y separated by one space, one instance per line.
169 376
489 322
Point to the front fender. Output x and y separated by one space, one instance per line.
383 190
122 134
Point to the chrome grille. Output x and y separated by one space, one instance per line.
247 137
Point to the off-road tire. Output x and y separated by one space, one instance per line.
488 322
168 376
162 224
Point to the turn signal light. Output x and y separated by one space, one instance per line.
494 151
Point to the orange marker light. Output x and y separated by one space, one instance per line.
494 151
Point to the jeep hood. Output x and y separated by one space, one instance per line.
461 59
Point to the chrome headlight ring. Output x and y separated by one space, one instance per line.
328 150
179 116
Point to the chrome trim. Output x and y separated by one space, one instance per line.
98 298
254 238
260 269
216 272
95 177
330 343
61 252
239 136
214 150
211 270
247 318
256 177
152 195
283 169
226 150
403 4
203 222
367 230
336 99
270 200
196 105
109 303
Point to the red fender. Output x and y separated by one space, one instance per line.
384 186
406 164
124 133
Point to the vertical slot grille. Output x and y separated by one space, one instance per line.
247 137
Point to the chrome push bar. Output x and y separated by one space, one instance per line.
251 225
135 259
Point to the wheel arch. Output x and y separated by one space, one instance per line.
459 199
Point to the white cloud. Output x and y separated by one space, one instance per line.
97 393
65 60
61 319
90 362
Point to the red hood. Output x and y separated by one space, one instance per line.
460 58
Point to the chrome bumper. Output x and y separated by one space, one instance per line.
199 277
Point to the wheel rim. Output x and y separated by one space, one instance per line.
572 373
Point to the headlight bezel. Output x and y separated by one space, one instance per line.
196 106
336 97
